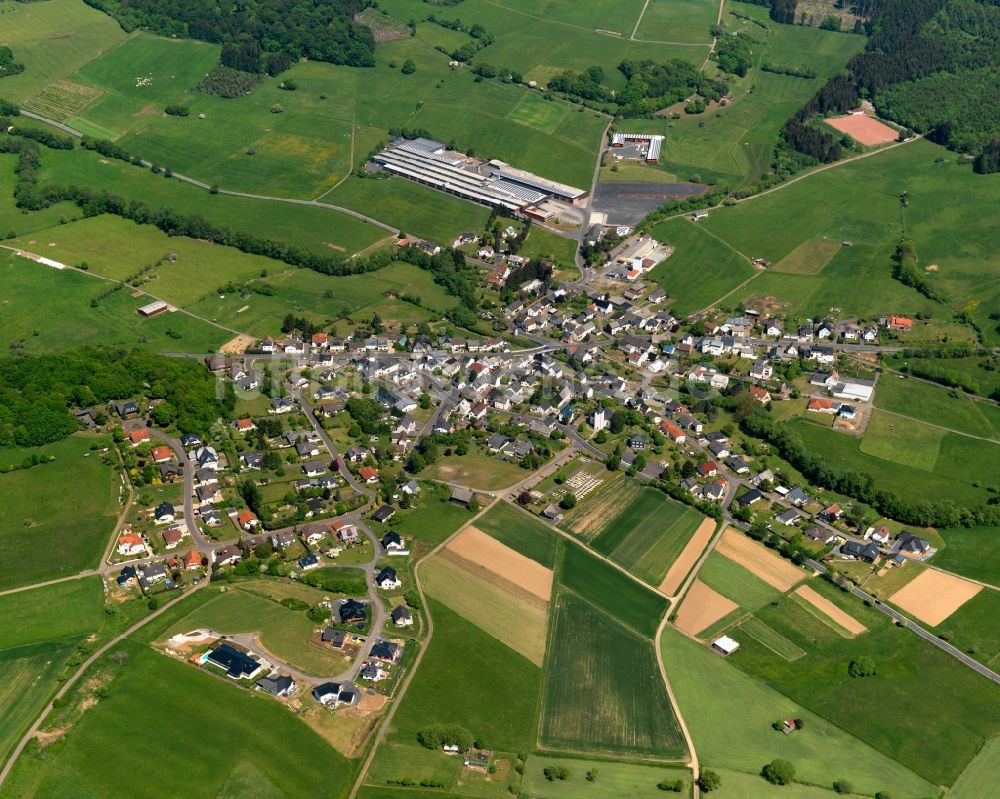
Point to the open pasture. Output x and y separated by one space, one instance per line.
759 560
980 776
683 21
589 704
55 518
615 780
972 628
934 595
702 607
902 441
938 405
13 219
520 532
537 113
682 566
969 551
865 130
808 258
513 616
544 244
604 586
729 715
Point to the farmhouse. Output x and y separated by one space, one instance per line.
153 309
491 183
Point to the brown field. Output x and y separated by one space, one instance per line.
237 345
702 607
759 560
512 615
688 557
933 596
473 545
863 129
840 617
590 517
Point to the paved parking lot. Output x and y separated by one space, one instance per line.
627 203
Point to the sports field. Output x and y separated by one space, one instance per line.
520 532
863 129
603 691
56 518
224 766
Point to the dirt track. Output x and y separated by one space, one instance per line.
759 560
834 613
688 557
474 545
702 607
933 596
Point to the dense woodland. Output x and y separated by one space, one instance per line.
298 28
37 393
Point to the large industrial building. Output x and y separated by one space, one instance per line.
492 183
649 144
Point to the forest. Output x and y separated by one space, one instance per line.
298 28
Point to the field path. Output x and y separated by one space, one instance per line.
80 576
638 22
72 680
939 427
693 762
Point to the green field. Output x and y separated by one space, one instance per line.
603 690
954 719
648 535
808 258
234 725
938 405
614 780
898 441
476 470
396 760
770 638
56 518
494 694
603 586
702 269
729 715
547 245
980 776
970 551
678 21
13 219
520 532
282 631
737 785
971 628
735 582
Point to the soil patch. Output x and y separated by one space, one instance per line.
759 560
863 129
933 596
702 607
688 557
237 345
474 545
831 611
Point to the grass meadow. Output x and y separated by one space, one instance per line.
520 532
494 693
972 627
958 711
56 518
396 760
542 243
702 270
979 777
432 521
631 604
614 780
685 21
938 405
233 725
735 582
475 469
729 715
13 219
970 551
603 690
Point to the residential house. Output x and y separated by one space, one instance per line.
131 544
237 664
247 519
279 685
386 651
401 616
393 544
227 556
352 612
387 580
164 513
856 551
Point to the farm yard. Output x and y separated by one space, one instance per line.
603 691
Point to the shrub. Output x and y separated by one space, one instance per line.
555 773
709 780
675 786
842 786
779 772
408 67
437 736
295 604
177 110
862 666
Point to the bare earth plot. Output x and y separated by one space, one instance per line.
759 560
476 546
840 617
686 560
702 607
863 129
933 596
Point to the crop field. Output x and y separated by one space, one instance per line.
969 551
55 518
841 621
223 768
934 596
702 609
843 452
808 258
589 517
587 704
980 776
770 638
520 532
614 780
735 582
754 556
702 270
52 40
514 617
938 405
684 21
954 719
603 586
494 694
62 100
283 632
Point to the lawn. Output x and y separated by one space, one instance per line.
544 244
735 582
476 470
72 321
971 552
603 690
605 587
282 631
957 713
613 780
520 532
938 405
729 715
702 269
232 725
648 534
56 518
494 694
